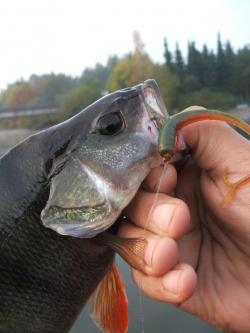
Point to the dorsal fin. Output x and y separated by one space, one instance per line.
110 304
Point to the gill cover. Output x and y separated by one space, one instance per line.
80 202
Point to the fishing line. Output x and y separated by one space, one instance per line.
156 195
145 227
141 311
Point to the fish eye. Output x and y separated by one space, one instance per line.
111 123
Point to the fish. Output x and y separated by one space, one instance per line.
63 191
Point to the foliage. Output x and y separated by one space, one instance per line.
79 97
18 94
100 73
50 88
168 84
39 91
219 78
223 76
131 69
208 98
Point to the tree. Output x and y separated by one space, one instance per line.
242 74
169 84
229 66
208 75
79 97
18 94
168 56
100 73
194 65
131 69
220 65
49 88
179 64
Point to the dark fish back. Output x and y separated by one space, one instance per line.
45 278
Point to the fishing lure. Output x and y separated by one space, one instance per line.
170 138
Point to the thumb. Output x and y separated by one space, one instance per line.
215 146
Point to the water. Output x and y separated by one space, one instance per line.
157 317
145 315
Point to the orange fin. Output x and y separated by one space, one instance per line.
110 304
233 187
130 249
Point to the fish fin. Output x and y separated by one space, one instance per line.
233 187
110 304
130 249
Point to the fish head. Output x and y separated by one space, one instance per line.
113 146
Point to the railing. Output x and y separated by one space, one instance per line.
18 112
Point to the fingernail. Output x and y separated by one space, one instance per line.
149 252
171 282
163 215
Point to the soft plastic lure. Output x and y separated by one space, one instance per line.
169 138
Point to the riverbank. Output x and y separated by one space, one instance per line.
10 137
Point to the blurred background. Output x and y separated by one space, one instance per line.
59 56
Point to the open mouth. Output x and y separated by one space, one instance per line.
154 103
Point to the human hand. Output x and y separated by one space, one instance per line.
198 252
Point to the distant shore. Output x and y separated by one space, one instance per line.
10 137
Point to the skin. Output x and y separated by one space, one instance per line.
198 252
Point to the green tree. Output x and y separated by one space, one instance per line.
168 56
79 97
220 65
131 69
209 98
194 65
18 94
49 88
179 65
169 84
100 73
229 67
208 75
242 74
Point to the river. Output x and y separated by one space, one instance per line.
145 315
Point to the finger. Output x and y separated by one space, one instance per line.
161 253
162 215
217 147
162 179
175 287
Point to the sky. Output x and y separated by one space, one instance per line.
66 36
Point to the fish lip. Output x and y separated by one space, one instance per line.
150 95
154 103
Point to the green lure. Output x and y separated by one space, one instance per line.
168 138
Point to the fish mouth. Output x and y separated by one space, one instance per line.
154 103
150 96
